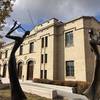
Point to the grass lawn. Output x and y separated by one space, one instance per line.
5 95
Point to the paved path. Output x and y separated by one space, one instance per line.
50 91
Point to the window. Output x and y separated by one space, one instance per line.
41 74
45 58
0 70
21 50
42 43
45 74
4 70
31 47
41 58
0 55
69 38
6 53
46 41
20 66
69 68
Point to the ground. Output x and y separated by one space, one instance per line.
5 95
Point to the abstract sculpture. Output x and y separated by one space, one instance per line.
16 90
93 92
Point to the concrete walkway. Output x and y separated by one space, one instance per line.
53 92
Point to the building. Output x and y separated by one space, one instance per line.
55 50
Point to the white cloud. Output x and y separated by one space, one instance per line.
45 9
62 9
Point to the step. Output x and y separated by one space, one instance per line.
52 91
56 87
41 91
71 96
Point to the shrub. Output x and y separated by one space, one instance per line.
37 80
82 86
70 83
46 81
58 82
43 81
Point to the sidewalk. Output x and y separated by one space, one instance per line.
49 91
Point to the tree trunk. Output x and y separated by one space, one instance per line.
93 92
16 90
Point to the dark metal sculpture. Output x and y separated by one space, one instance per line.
93 92
16 90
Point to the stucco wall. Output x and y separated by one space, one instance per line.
57 53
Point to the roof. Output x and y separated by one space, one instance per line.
82 17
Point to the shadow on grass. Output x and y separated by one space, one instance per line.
5 94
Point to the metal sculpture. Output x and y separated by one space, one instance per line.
93 92
16 90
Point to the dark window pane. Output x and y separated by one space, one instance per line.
69 68
20 65
45 58
69 38
30 68
21 50
46 41
0 55
6 53
41 74
31 47
41 58
45 74
4 70
42 43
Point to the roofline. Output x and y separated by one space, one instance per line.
8 44
82 17
47 21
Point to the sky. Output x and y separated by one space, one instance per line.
32 12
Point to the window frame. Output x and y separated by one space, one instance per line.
21 50
70 68
69 39
45 74
42 58
46 41
46 58
41 74
42 42
31 48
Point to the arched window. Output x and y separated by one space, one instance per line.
30 68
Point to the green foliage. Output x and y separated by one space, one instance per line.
5 9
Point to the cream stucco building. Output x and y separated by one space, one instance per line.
55 50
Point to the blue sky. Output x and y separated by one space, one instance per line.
32 12
98 17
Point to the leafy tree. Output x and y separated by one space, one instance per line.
5 9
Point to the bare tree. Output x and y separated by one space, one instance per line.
16 90
93 92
